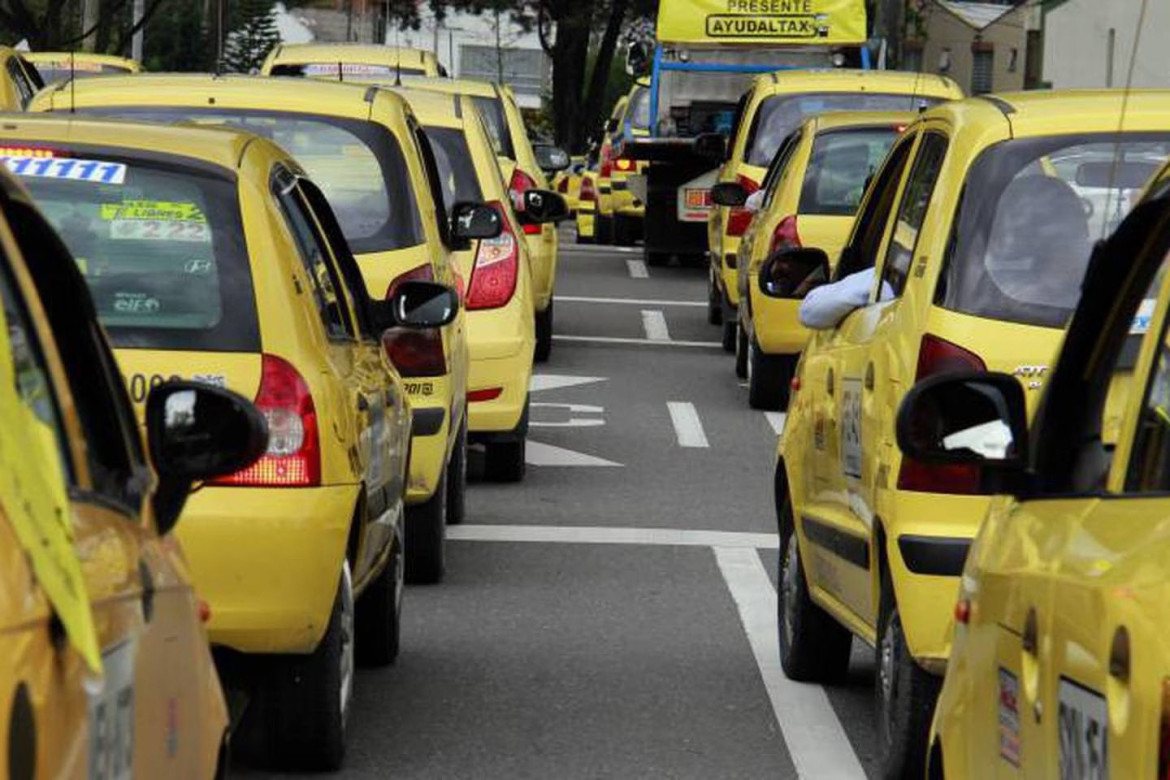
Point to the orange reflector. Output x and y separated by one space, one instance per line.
795 383
204 611
487 394
963 612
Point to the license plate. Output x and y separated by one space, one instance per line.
1083 724
111 717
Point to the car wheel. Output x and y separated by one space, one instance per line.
544 332
457 478
905 697
741 353
714 303
769 378
426 537
504 461
730 326
655 259
813 646
379 612
603 229
306 704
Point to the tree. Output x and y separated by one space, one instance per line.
252 36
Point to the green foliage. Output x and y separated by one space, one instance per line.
179 39
253 34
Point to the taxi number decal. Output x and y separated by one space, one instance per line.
419 388
175 211
1083 727
1009 717
159 230
66 168
851 427
140 385
111 717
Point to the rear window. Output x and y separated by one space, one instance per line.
60 71
492 111
1030 213
639 111
456 169
345 71
840 165
779 115
358 165
161 247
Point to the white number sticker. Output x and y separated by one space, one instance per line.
111 717
851 427
159 230
1083 725
66 168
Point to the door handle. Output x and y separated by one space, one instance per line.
147 581
829 381
1030 637
869 376
1119 656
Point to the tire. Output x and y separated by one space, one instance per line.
655 259
378 615
544 332
730 326
714 303
603 229
813 646
504 460
769 378
741 353
904 694
457 478
426 537
305 703
623 231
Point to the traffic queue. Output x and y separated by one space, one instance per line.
280 307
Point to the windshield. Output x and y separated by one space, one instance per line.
60 71
161 246
358 165
841 163
456 170
1030 214
639 111
345 71
492 111
779 115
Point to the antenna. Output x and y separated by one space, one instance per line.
72 83
1116 164
340 72
397 56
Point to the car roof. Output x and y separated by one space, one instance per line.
431 107
473 87
853 80
832 120
1060 112
364 53
63 57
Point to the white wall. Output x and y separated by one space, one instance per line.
1076 43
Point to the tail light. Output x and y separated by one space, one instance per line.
588 192
497 264
486 394
606 160
293 458
563 187
415 352
520 184
624 164
738 219
1164 734
785 235
423 273
939 356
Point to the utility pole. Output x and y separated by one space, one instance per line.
89 21
136 39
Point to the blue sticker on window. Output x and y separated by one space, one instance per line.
66 168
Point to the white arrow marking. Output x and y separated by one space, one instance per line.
777 420
637 269
687 425
557 381
654 323
537 454
572 421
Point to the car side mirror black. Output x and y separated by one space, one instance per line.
791 273
196 432
541 206
551 158
474 221
969 417
415 304
729 193
711 146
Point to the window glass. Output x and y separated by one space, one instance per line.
912 210
775 170
1030 213
60 70
23 88
161 247
361 72
492 111
870 225
840 165
639 110
457 175
1149 463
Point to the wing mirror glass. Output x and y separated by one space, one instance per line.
729 193
416 304
541 206
791 273
551 158
471 221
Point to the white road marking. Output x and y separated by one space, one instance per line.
665 537
777 420
538 454
637 269
814 736
654 323
615 340
571 412
687 425
629 301
572 247
540 382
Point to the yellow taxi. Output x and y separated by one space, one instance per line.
604 210
968 252
210 256
364 148
64 65
19 80
619 203
96 603
767 114
498 296
808 196
1060 665
524 167
586 217
568 182
362 62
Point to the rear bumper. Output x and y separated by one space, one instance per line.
501 414
585 223
268 561
431 400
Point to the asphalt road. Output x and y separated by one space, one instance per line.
613 616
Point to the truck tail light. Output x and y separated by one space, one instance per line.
739 218
785 235
497 264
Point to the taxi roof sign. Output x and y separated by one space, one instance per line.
801 22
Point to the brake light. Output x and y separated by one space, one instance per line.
415 353
293 458
493 277
24 151
422 273
1164 734
563 186
785 235
939 356
739 218
624 164
487 394
588 192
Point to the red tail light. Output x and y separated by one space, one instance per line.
606 160
422 273
497 264
738 219
785 235
415 353
939 356
293 458
588 192
487 394
624 164
563 187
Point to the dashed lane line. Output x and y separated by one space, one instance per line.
627 301
654 323
637 269
664 537
687 425
812 732
777 420
643 342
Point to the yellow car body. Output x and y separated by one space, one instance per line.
344 136
768 113
880 538
1060 663
19 81
500 329
63 65
93 587
630 119
810 195
586 216
361 62
568 182
605 199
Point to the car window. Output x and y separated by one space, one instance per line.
841 163
912 210
492 111
62 70
1149 461
638 110
870 226
457 175
369 73
25 89
773 176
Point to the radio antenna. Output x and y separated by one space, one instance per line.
340 72
397 56
72 83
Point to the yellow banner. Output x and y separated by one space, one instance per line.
813 22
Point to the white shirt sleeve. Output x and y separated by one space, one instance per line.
828 304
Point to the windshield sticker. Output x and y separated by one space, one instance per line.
135 303
68 168
159 230
152 209
1145 314
347 68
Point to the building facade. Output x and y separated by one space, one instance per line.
982 46
1090 43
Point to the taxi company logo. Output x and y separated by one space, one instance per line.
766 26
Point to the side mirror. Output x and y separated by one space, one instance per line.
541 206
416 304
791 273
196 432
969 417
729 193
474 221
551 158
711 146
